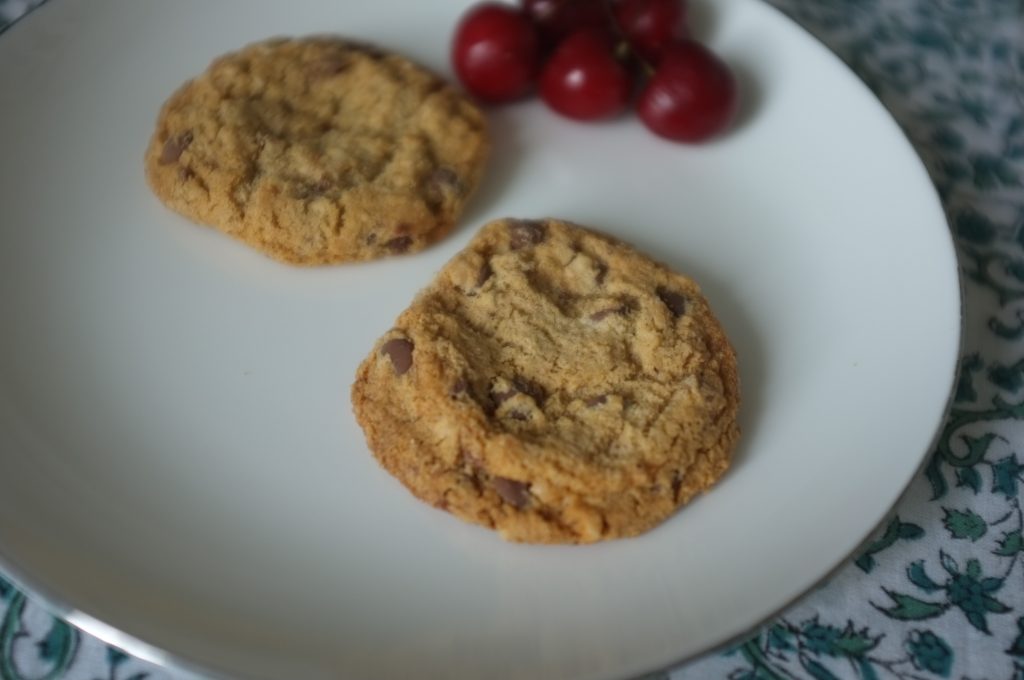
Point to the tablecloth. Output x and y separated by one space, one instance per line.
938 591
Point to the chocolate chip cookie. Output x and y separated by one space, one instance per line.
319 150
553 384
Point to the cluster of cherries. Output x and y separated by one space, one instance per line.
586 57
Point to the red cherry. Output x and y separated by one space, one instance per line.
583 80
691 96
558 18
496 52
650 25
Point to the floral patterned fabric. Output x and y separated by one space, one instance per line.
938 592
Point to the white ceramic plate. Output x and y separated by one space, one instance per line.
179 459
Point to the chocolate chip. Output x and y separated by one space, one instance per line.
468 459
513 492
399 350
174 147
475 482
677 484
185 174
459 387
532 389
484 274
499 398
307 190
519 415
445 177
596 401
367 49
675 302
600 315
519 386
524 233
329 66
371 238
399 244
435 85
441 184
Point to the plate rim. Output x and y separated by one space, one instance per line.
60 607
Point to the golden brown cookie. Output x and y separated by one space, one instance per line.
554 384
319 151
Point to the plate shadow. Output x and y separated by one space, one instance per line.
508 149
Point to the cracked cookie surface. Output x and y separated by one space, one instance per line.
318 151
553 384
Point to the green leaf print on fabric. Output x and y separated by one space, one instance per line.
817 671
933 473
929 652
968 590
817 649
827 640
969 365
964 524
1010 544
1017 648
57 642
57 648
780 638
908 608
894 531
919 577
972 226
970 478
1007 331
1009 378
1005 475
993 171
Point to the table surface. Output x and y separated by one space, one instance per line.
938 591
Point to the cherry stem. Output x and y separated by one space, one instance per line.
623 47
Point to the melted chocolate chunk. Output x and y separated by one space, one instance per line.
369 49
307 190
499 398
445 177
329 66
484 274
459 387
602 314
514 493
468 459
675 302
399 350
596 401
174 147
519 386
532 389
525 233
399 244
